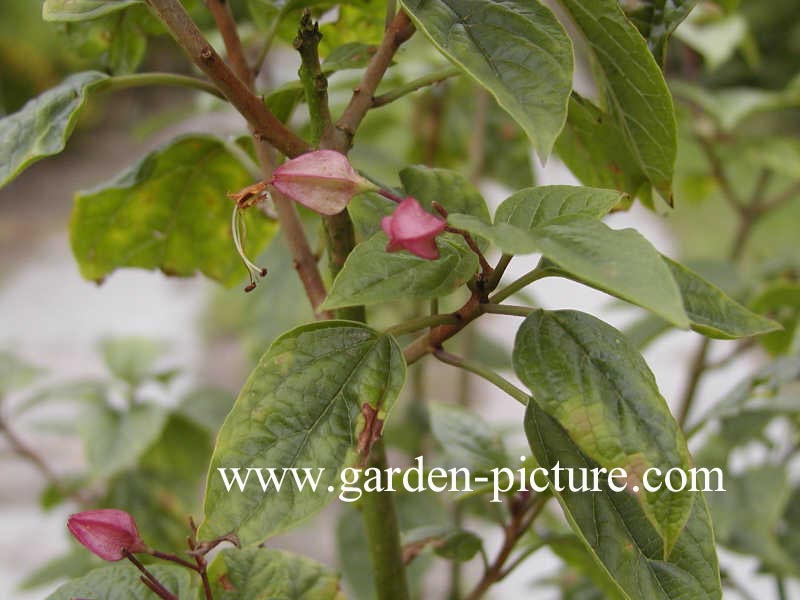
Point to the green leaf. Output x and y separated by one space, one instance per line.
122 581
309 403
585 375
781 300
264 574
168 212
731 107
206 407
594 148
372 276
16 373
164 487
132 359
516 49
636 92
352 55
127 46
42 127
716 41
459 545
283 100
614 529
620 262
712 312
747 516
656 20
449 188
75 563
115 439
572 550
533 207
82 10
467 439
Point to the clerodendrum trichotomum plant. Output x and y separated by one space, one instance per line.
351 196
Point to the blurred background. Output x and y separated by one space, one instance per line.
73 350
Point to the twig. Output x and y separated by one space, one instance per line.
314 81
124 82
522 516
189 37
154 584
507 309
221 11
524 281
23 450
265 125
421 323
414 85
696 370
487 374
718 171
397 33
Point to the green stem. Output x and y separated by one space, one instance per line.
383 536
481 371
421 323
527 279
506 309
124 82
781 588
414 85
315 84
499 270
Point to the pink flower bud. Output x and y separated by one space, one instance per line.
413 229
106 532
322 180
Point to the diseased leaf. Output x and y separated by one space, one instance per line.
123 581
593 146
82 10
634 86
585 375
621 539
264 573
371 275
656 20
516 49
169 212
315 401
42 127
712 312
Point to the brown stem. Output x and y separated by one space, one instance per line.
264 124
522 516
154 584
173 558
187 35
221 11
397 33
